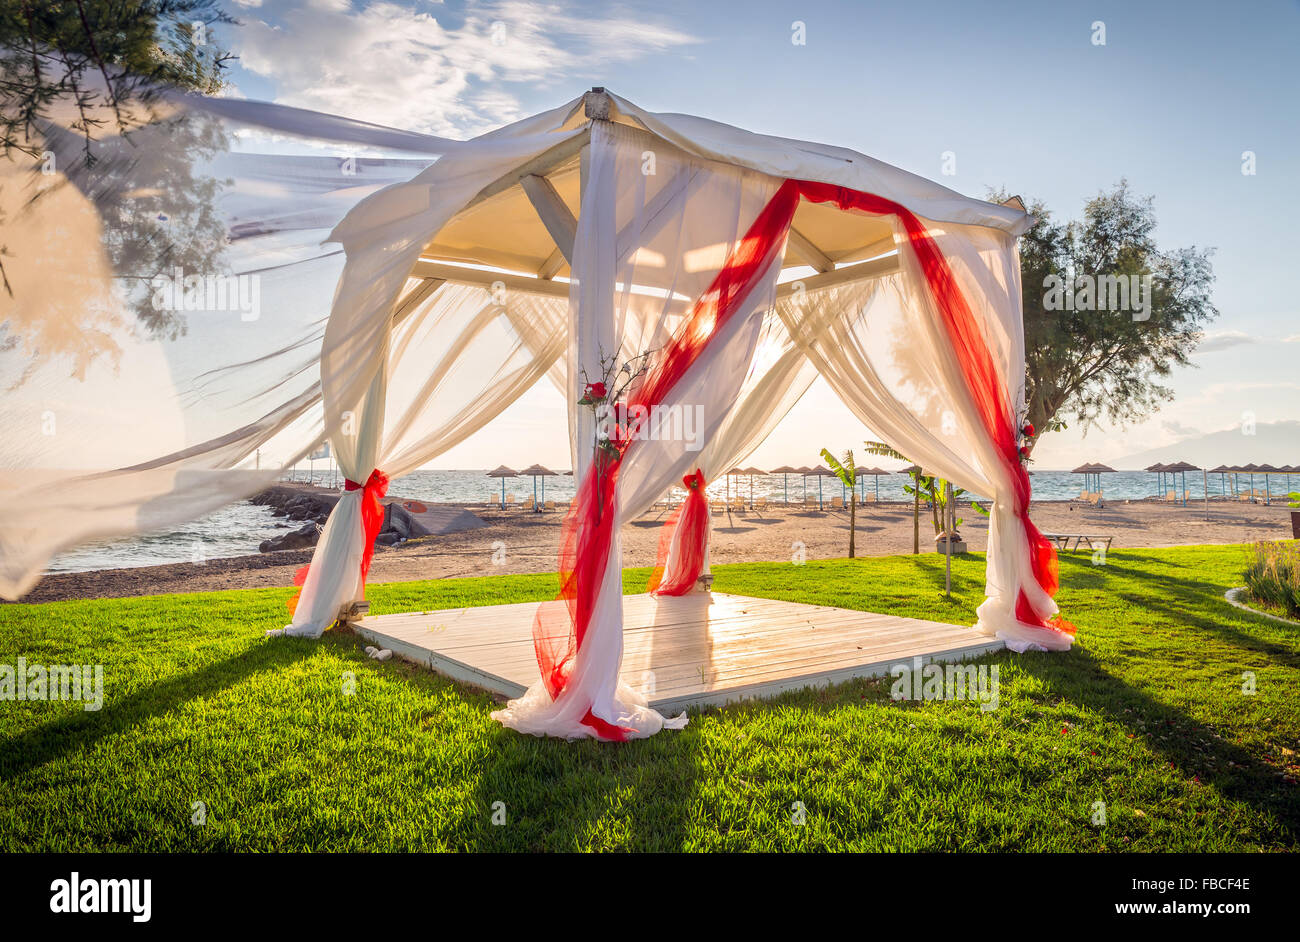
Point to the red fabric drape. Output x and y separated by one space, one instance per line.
689 525
372 519
589 526
979 372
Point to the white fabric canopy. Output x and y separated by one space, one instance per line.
403 302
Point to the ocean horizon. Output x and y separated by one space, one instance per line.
237 529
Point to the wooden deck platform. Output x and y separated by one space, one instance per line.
690 651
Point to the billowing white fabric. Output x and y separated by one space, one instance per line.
619 245
114 429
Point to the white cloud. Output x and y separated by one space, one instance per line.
1216 340
387 63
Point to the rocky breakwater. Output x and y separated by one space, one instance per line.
313 505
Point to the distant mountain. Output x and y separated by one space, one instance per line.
1275 443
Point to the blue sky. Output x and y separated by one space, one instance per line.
1017 91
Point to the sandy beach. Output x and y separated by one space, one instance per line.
515 541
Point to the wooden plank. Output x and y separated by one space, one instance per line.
551 267
477 276
863 271
870 250
773 687
701 650
808 252
542 164
552 211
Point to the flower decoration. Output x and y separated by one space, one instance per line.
593 394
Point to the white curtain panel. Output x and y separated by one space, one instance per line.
779 375
457 356
882 348
648 245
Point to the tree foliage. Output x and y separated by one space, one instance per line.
101 57
1086 365
79 81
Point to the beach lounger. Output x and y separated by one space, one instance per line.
837 503
760 504
549 505
717 506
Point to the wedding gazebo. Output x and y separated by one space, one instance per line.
682 282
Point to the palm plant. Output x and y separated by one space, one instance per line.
934 490
846 473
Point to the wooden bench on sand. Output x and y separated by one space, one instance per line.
1062 540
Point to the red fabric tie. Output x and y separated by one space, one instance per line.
372 519
689 524
372 515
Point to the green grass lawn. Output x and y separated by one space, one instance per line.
1146 714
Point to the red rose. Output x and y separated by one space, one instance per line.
595 391
1028 430
1024 451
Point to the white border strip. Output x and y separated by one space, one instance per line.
1231 597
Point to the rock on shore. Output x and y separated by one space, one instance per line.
314 505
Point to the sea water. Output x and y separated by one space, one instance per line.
236 530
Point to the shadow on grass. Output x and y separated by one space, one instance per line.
82 729
1237 774
569 796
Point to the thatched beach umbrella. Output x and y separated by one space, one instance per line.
536 471
804 472
751 471
1092 470
819 472
503 472
1159 471
1181 468
1250 469
1268 469
736 471
785 471
875 474
1221 471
